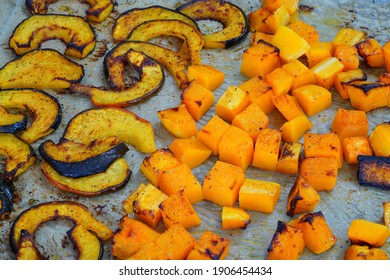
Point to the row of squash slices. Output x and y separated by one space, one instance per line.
87 160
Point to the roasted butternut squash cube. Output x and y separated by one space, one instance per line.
287 243
380 139
272 5
371 51
176 242
355 146
258 195
364 252
302 197
302 75
198 99
232 102
294 129
257 20
318 52
190 151
149 251
291 45
374 171
350 123
236 147
326 71
251 120
210 246
386 55
222 183
305 30
280 80
348 56
320 172
266 153
177 209
260 59
181 178
212 132
317 234
313 98
279 17
363 231
386 214
347 36
127 204
288 106
207 75
233 217
178 121
289 159
156 163
259 92
343 78
258 35
367 96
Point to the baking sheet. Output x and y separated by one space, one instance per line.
346 202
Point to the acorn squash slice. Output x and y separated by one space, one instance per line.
74 31
87 245
40 69
75 160
234 20
114 178
20 155
171 60
151 80
31 218
27 249
98 11
11 123
6 198
43 109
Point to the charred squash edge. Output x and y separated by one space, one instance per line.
373 165
15 126
80 244
7 189
27 242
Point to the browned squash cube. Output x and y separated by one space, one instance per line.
364 252
302 197
210 246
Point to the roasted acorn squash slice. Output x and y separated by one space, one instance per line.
115 177
75 160
99 9
6 198
20 155
176 28
74 31
151 80
234 20
87 245
45 111
11 123
27 249
31 218
96 123
171 60
40 69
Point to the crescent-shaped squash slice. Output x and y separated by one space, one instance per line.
75 160
128 20
234 20
98 11
27 249
40 69
151 80
31 218
11 123
114 178
20 155
44 109
74 31
172 61
96 123
87 245
176 28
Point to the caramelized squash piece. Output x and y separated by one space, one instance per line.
233 218
210 246
320 172
232 102
127 204
326 71
355 146
280 80
294 129
374 171
348 56
302 75
380 139
313 98
207 75
318 52
344 78
198 99
302 197
363 252
350 123
371 51
178 121
363 231
266 153
288 106
290 158
258 35
257 20
279 17
347 36
367 96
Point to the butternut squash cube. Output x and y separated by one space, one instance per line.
320 172
288 106
260 59
343 78
207 75
302 75
181 178
347 36
280 80
289 158
348 56
371 51
272 5
294 129
355 146
279 17
363 231
305 30
287 243
149 251
156 163
266 153
318 52
233 217
350 123
190 151
258 35
326 71
386 214
367 96
386 55
178 121
251 120
212 132
232 102
302 197
317 234
291 45
257 20
177 209
259 92
197 98
260 196
127 204
222 183
363 252
380 139
210 246
313 98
